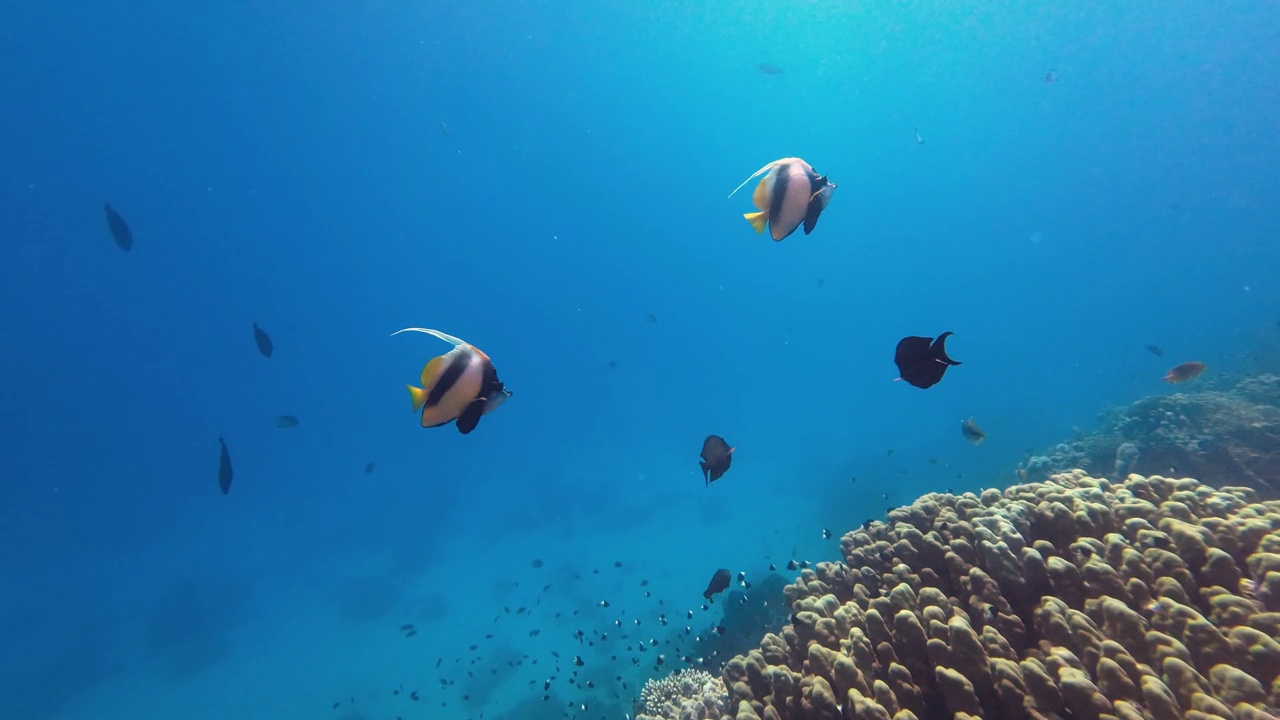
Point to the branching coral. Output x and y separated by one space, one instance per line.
684 695
1071 598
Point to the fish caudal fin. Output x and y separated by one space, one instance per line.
757 220
418 396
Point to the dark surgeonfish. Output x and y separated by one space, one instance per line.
971 432
921 361
263 340
719 583
716 458
120 231
460 385
791 193
1184 372
224 468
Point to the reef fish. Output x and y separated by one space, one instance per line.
790 193
716 458
922 361
224 468
719 583
286 421
120 231
1184 372
460 385
971 432
263 341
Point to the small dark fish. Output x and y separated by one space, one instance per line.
286 421
769 69
1155 350
368 469
1184 372
120 231
971 432
224 468
445 129
537 563
716 458
263 340
719 583
921 361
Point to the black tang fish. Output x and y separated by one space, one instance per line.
460 385
224 468
791 193
719 583
921 361
716 458
120 231
263 340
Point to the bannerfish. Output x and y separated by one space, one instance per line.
716 458
286 421
120 231
972 432
1184 372
224 468
921 361
719 583
1155 350
791 193
460 385
263 340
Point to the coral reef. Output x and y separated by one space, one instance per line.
1230 437
684 695
1071 598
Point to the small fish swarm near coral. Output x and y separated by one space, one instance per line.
1070 598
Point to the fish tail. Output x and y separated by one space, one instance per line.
757 220
418 396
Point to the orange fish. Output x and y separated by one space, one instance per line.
1184 372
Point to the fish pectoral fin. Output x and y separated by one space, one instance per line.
757 220
418 396
470 417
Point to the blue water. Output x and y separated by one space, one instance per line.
285 164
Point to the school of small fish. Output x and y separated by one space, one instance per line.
461 386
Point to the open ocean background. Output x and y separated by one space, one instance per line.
538 178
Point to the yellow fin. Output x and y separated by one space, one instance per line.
757 220
418 396
753 176
761 195
430 371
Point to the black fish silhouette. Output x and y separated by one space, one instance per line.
719 582
119 228
263 340
716 458
921 361
224 468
